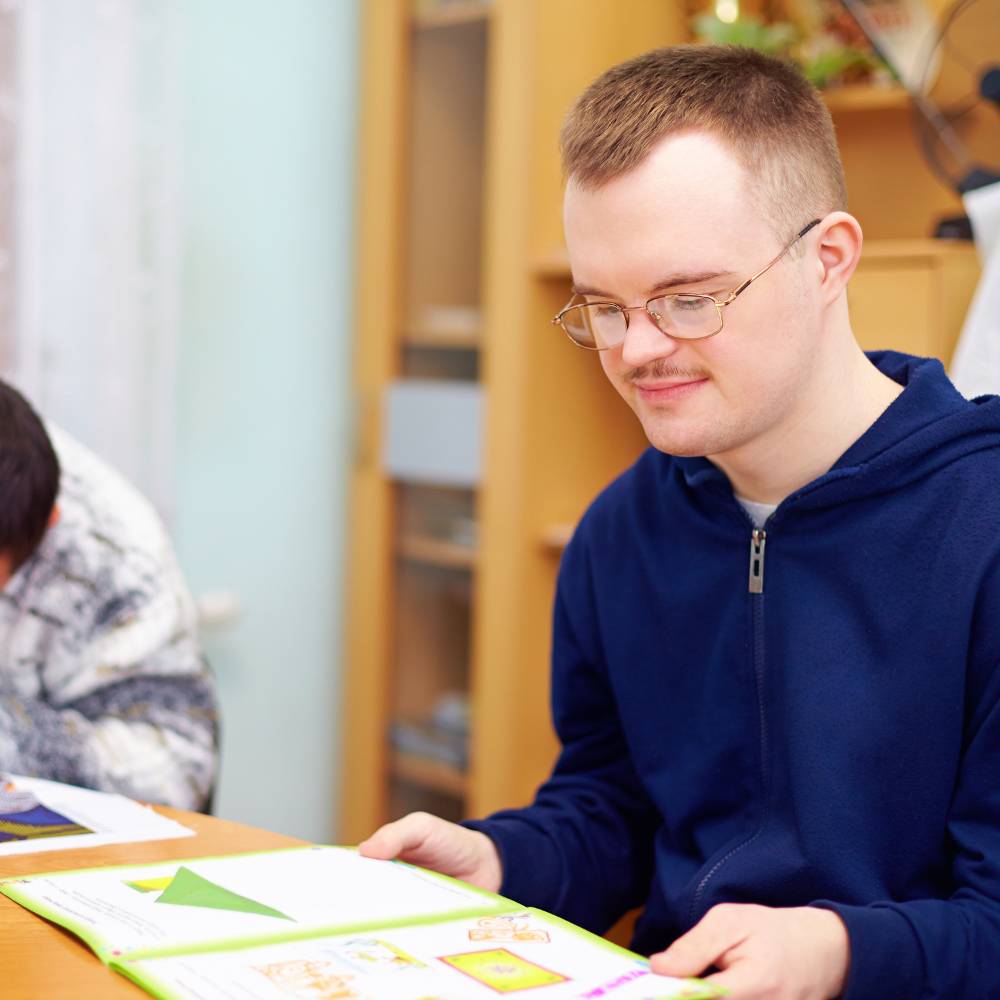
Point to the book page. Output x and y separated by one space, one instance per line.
459 959
261 896
39 815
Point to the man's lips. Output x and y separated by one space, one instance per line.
663 390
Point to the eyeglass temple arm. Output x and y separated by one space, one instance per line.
788 246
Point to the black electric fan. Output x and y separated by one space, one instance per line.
951 72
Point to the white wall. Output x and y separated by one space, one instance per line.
269 115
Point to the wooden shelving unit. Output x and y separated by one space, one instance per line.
461 210
440 339
431 774
556 537
436 552
450 589
865 98
429 15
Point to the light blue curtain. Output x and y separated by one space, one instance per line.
95 227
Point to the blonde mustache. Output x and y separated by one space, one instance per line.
659 370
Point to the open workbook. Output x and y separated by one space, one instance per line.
323 922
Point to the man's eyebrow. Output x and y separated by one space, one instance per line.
673 280
670 281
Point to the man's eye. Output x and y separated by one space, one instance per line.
603 310
690 303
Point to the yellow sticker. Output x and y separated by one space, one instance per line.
151 884
503 971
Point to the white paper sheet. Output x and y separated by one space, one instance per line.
47 826
975 367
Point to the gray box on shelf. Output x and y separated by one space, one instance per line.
433 432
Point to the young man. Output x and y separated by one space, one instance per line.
776 636
102 682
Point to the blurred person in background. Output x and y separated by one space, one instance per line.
102 682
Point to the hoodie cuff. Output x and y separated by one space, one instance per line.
886 957
530 862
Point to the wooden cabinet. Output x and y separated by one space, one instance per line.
912 295
460 268
450 588
414 534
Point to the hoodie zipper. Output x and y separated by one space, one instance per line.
758 541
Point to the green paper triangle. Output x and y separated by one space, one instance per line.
189 889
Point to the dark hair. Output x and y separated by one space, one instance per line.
29 476
763 109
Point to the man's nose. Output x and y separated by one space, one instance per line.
645 341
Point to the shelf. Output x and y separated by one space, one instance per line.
862 98
437 552
429 773
450 12
441 339
918 248
445 326
556 537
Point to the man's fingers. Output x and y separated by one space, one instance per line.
396 839
382 844
744 980
689 955
706 944
435 843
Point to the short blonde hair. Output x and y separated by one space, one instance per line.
763 109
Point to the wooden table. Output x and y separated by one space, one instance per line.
38 959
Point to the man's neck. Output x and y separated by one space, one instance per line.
834 415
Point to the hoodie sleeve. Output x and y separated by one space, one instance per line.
104 684
150 738
584 848
140 718
948 948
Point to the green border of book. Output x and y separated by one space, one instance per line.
103 949
149 985
164 991
120 964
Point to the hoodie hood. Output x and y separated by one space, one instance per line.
929 425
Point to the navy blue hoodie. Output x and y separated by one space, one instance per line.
833 739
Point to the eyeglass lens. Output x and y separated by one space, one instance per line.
601 325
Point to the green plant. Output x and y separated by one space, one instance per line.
824 59
833 65
773 39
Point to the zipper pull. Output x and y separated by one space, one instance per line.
757 539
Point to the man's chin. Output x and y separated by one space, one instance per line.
674 442
679 451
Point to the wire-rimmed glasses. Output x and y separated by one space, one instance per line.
598 326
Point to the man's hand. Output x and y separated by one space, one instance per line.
764 953
435 843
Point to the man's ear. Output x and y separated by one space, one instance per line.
838 250
54 516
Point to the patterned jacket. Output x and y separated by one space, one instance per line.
102 682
